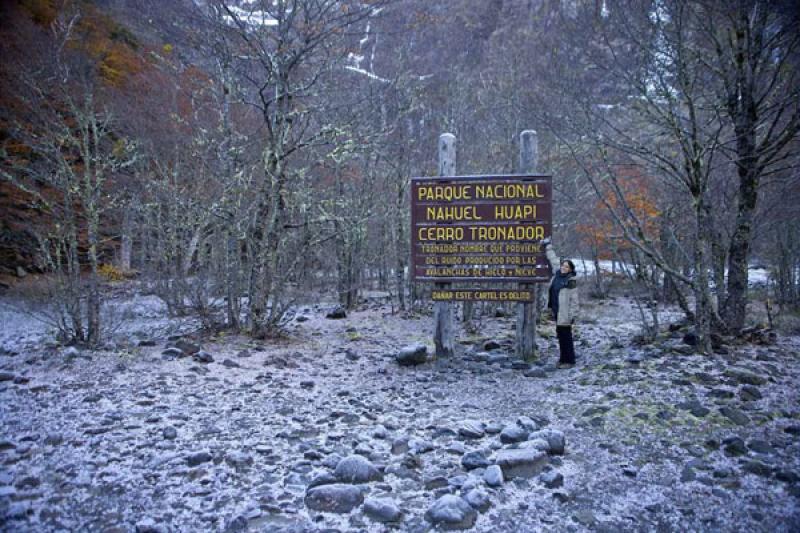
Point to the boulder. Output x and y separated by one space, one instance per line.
493 476
472 430
415 354
357 469
491 345
196 459
188 348
203 357
335 498
172 351
337 313
552 479
524 463
734 415
400 446
513 433
527 423
382 510
451 512
745 376
750 393
554 438
239 460
473 460
325 478
478 499
691 339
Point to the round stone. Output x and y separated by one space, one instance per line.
478 499
336 498
451 512
493 476
382 510
473 460
357 469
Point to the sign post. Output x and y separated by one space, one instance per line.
528 312
444 336
485 229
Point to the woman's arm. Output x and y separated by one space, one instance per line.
555 264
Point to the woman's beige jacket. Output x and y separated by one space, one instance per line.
567 297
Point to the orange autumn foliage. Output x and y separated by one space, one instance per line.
603 233
43 12
114 49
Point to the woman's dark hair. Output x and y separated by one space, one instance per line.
570 263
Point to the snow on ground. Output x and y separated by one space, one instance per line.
656 438
757 276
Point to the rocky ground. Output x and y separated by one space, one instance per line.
325 431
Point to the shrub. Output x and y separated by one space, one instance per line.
112 273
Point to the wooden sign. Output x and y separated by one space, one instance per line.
481 228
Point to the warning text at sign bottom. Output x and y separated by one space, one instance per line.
468 295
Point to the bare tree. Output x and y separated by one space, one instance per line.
756 47
71 153
289 47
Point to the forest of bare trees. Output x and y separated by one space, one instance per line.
239 158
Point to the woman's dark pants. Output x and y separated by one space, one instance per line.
565 345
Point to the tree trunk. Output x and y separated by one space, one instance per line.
598 276
257 293
126 244
191 250
739 255
718 257
704 309
401 246
670 292
232 262
748 33
93 298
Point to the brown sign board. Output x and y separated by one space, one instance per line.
470 295
481 228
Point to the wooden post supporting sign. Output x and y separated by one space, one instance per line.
443 336
482 230
527 312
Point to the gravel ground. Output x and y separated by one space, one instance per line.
324 431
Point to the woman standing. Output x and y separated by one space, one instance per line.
563 301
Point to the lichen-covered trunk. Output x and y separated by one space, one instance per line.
93 298
401 247
739 252
126 240
232 282
267 247
704 306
